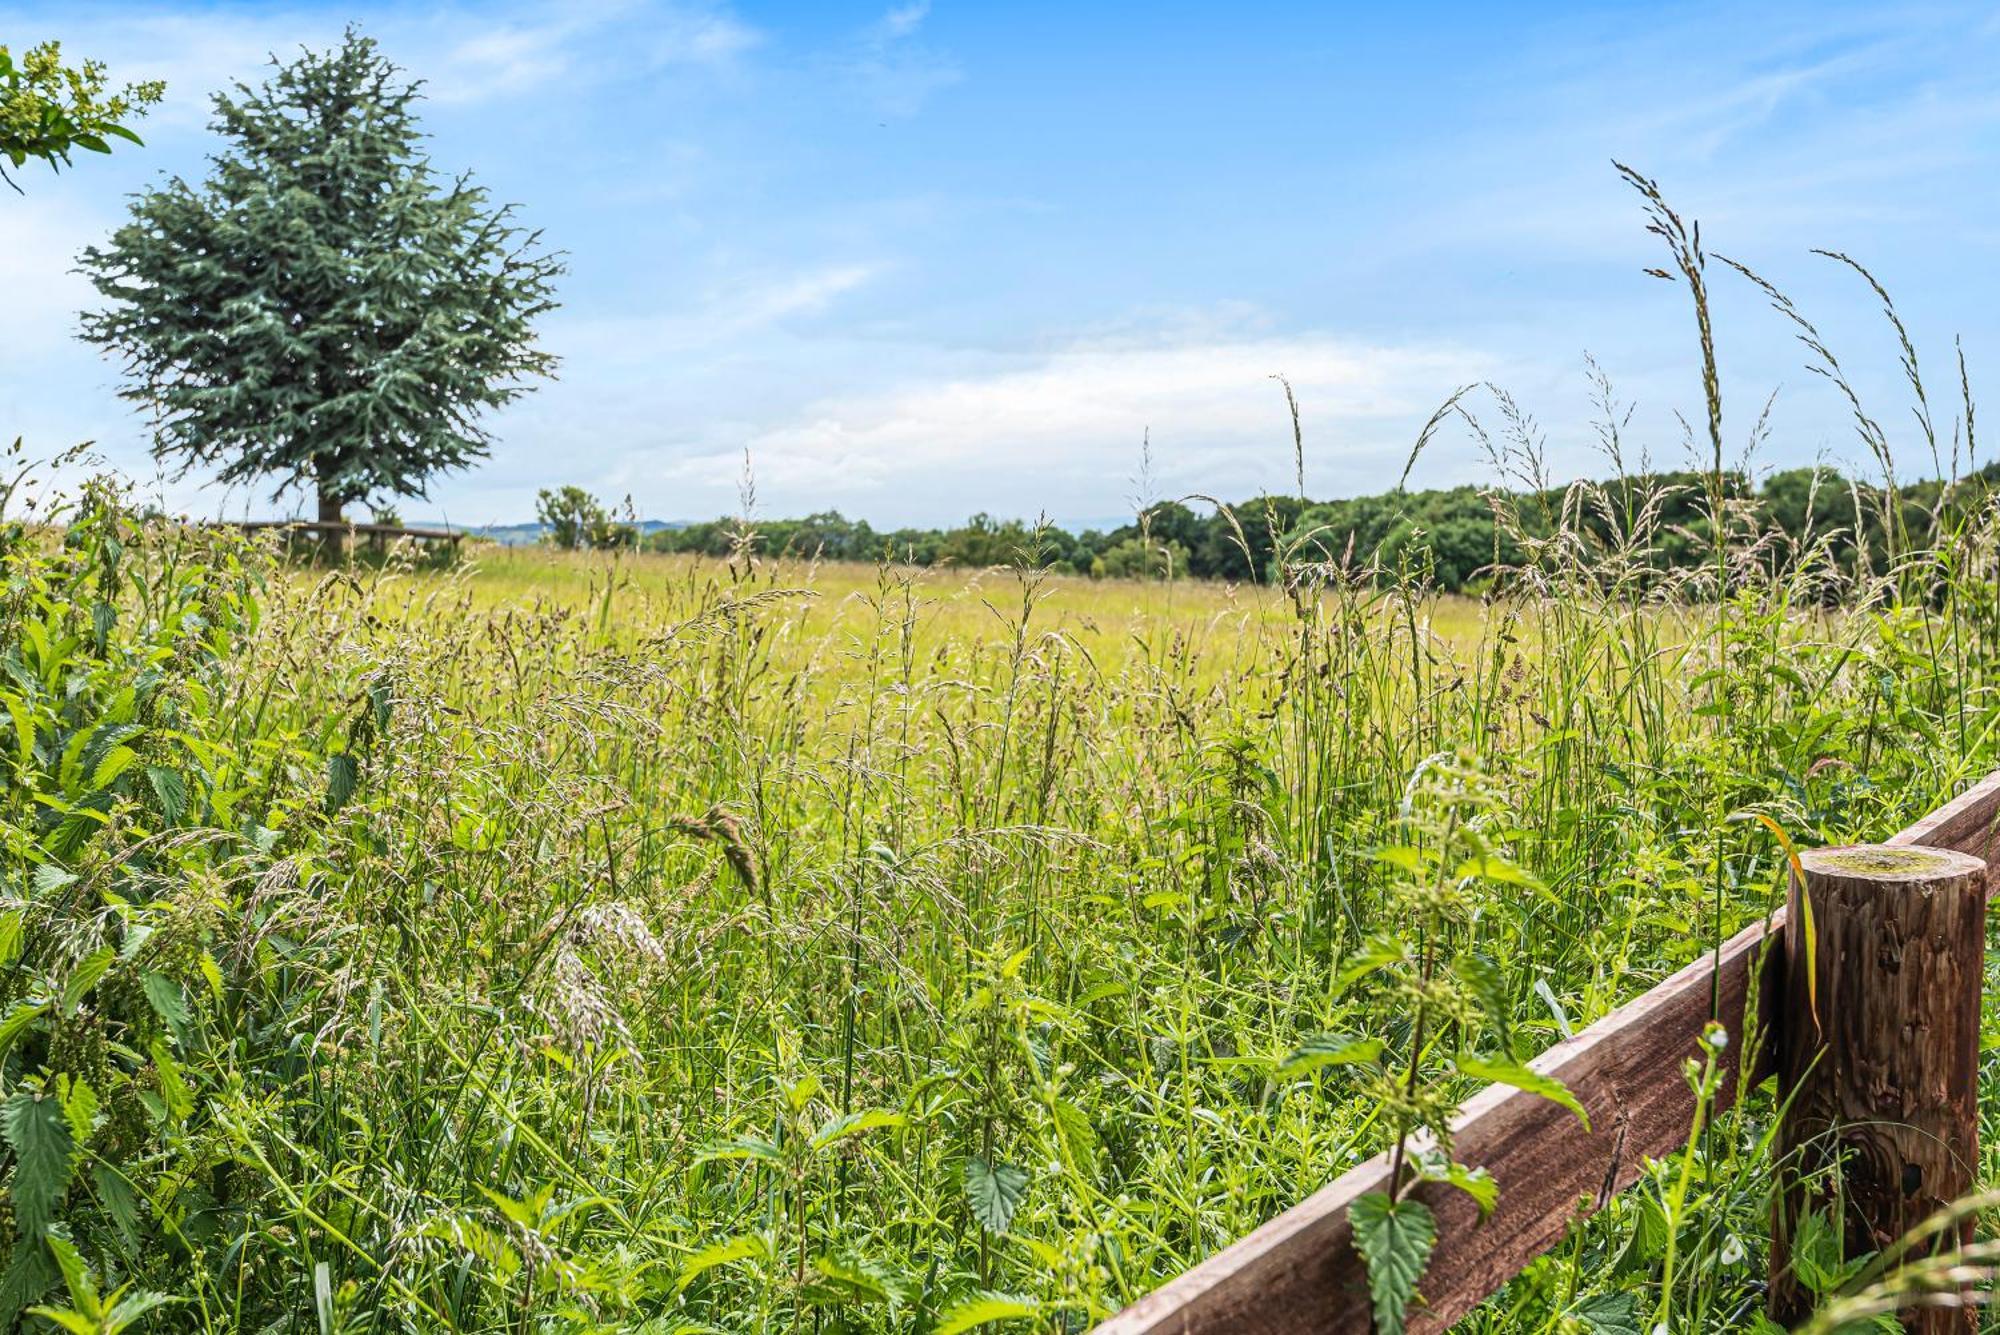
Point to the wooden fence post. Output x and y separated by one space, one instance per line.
1878 1048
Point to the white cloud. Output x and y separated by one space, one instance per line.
903 20
536 51
722 320
894 70
1064 427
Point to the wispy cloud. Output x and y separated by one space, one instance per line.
894 68
1030 431
551 42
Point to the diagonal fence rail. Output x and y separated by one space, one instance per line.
1300 1274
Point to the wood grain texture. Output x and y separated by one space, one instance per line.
1881 1057
1299 1274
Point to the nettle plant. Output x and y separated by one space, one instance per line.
1453 856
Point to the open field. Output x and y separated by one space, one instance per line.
585 942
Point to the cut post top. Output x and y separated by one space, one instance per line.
1904 863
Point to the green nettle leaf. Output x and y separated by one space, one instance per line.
169 1002
343 776
39 1132
1488 984
843 1279
747 1247
983 1310
994 1191
49 878
1395 1240
176 1099
841 1127
1816 1256
1608 1314
1331 1049
1079 1138
120 1202
170 789
85 976
116 761
1477 1183
13 929
1525 1079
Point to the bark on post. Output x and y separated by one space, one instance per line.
1879 1053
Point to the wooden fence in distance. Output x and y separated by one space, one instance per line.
1299 1273
377 534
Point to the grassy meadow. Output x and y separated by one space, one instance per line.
593 941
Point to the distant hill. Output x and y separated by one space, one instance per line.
531 532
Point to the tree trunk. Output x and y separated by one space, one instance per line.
330 513
1878 1049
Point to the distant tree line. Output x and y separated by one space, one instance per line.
1455 537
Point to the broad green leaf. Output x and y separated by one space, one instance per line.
24 1014
853 1124
1525 1079
1395 1241
743 1147
175 1096
80 1107
76 1275
1079 1138
85 976
983 1310
1474 1182
1331 1049
1496 869
118 1200
167 999
35 1126
994 1192
746 1247
170 790
115 762
343 776
840 1280
1404 858
127 1310
479 1241
12 928
1608 1314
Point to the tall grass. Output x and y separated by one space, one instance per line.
632 942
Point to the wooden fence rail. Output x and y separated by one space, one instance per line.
341 528
1299 1273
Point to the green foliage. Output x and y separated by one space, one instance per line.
1395 1239
611 943
44 1145
572 519
48 108
88 1312
994 1192
1460 540
324 309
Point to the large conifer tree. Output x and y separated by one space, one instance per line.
325 309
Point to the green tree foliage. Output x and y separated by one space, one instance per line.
325 309
569 516
48 108
573 519
1452 539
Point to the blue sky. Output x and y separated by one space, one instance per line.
925 260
